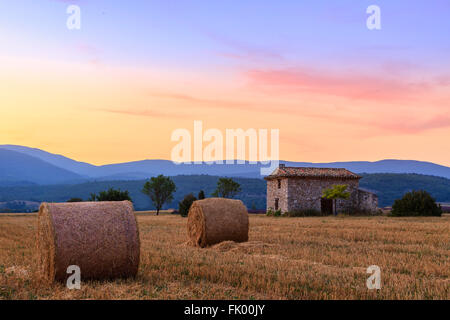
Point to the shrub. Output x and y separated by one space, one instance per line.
111 195
356 211
304 213
201 195
416 203
75 200
271 213
185 204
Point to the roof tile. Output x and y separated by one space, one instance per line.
308 172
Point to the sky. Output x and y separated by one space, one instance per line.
116 89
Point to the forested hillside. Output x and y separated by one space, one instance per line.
388 187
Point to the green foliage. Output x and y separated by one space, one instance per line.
416 203
111 195
227 188
160 189
304 213
75 200
337 191
185 205
201 195
271 213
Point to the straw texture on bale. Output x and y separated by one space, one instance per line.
214 220
101 238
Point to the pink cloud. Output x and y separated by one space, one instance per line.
88 49
145 113
91 53
417 126
345 84
202 101
381 124
256 106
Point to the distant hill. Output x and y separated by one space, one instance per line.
20 169
80 168
388 187
144 169
253 191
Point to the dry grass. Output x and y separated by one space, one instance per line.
286 258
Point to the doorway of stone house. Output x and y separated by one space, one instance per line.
326 206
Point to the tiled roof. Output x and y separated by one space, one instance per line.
367 190
304 172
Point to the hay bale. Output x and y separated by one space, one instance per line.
101 238
214 220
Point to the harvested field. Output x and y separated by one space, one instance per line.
285 258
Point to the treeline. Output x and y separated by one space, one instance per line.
253 191
389 187
160 190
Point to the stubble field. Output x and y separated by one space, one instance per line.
286 258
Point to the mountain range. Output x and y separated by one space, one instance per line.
21 165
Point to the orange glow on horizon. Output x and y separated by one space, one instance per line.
103 114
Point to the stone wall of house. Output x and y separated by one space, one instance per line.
306 193
367 201
273 192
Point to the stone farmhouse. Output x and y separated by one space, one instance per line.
297 188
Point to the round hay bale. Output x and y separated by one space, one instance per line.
214 220
102 238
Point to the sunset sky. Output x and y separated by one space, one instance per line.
115 90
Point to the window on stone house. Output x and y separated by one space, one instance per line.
279 183
276 203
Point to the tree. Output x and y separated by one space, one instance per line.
185 205
226 188
75 200
160 189
416 203
111 195
335 192
201 195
